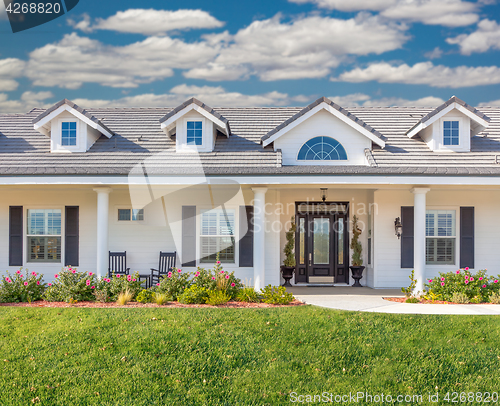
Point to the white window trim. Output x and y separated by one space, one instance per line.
321 160
37 264
124 207
199 211
184 145
445 267
460 145
70 148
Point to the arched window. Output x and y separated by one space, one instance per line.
322 149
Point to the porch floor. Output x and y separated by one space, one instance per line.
371 300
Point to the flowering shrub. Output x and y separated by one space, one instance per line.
477 287
70 284
112 287
24 286
218 279
173 284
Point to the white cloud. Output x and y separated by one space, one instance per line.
493 103
76 60
10 68
150 21
436 53
360 99
214 96
304 48
424 73
451 13
487 36
27 101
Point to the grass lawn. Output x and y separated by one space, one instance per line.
75 356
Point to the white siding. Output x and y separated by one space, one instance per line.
181 133
326 124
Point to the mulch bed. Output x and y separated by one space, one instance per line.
403 299
43 303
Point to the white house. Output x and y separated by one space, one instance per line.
75 184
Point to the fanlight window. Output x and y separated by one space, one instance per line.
322 149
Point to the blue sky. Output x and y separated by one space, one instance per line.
258 53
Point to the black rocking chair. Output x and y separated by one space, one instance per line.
165 265
118 264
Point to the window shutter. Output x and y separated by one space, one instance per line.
72 237
246 240
466 237
188 235
16 236
407 237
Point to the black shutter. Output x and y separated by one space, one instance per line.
16 236
246 241
407 237
188 235
72 236
466 237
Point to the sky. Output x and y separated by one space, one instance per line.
256 53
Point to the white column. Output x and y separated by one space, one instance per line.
419 236
102 230
259 244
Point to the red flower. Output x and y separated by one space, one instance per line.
483 286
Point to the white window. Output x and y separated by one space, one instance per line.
217 236
44 235
68 133
194 135
130 214
451 132
440 231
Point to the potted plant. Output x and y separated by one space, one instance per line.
288 267
357 261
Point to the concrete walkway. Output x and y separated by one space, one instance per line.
370 300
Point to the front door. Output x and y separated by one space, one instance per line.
321 245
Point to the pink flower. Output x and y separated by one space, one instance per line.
21 276
133 280
56 275
481 278
157 284
179 270
33 273
495 281
87 282
430 280
442 279
92 287
38 282
221 272
90 274
227 276
218 262
483 286
25 283
117 276
169 275
442 283
73 271
50 284
466 282
8 280
18 272
233 285
466 276
458 271
466 268
471 278
213 278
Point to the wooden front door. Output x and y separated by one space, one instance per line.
321 247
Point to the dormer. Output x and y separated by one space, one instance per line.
449 127
70 128
195 126
324 133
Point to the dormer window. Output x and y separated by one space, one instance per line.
68 133
194 134
451 135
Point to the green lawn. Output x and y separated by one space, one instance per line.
75 356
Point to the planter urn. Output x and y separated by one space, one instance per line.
287 274
357 274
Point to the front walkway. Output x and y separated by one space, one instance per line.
370 300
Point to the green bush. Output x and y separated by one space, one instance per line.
112 287
217 279
459 297
24 286
412 300
144 296
194 294
248 294
72 285
495 298
217 297
477 287
276 295
174 284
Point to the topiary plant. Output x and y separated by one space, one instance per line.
356 246
289 249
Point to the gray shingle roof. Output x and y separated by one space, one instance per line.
74 106
330 103
138 138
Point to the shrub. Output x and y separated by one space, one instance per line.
124 297
160 298
276 295
218 279
194 294
476 287
101 296
174 284
112 287
495 297
412 300
248 294
217 297
71 284
413 284
24 286
145 296
460 297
